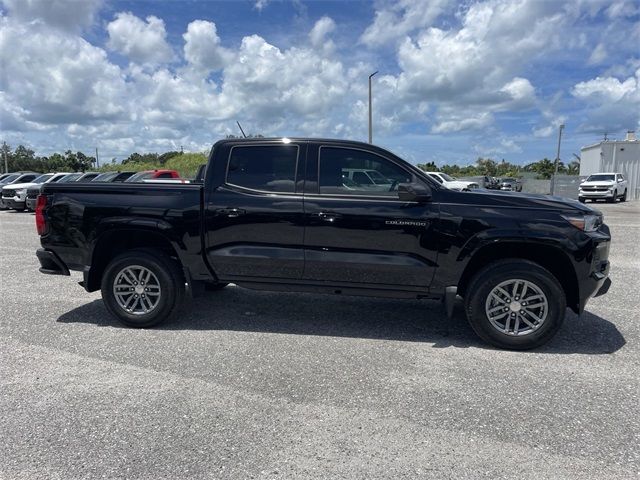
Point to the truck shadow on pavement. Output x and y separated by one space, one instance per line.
237 309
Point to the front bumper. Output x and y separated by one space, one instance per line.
14 203
598 282
593 194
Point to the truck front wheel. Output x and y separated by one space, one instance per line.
142 288
515 304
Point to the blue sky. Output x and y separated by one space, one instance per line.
456 81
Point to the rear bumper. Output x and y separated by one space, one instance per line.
50 263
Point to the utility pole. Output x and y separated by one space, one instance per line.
4 151
557 157
370 115
97 159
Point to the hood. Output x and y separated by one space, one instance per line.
458 184
598 183
529 200
18 186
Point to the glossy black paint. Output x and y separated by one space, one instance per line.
307 241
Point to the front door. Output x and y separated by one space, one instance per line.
254 216
358 231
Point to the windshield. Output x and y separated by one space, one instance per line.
139 176
446 177
10 178
105 177
601 178
72 177
43 178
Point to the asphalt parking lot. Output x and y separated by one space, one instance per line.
274 385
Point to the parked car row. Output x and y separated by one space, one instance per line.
20 190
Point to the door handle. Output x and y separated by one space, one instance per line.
231 212
329 216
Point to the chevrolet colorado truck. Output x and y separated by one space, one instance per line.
285 215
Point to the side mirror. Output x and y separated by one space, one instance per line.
414 192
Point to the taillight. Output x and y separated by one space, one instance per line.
41 221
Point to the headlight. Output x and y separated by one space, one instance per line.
586 223
21 191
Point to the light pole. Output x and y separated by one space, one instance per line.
557 157
4 151
370 117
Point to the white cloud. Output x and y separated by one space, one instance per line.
261 5
67 14
611 104
505 146
56 77
270 84
142 42
202 46
521 93
449 121
320 30
598 55
608 89
395 19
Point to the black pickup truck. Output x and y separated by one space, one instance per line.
328 216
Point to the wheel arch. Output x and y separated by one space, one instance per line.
547 256
116 241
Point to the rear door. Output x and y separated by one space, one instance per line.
362 234
254 214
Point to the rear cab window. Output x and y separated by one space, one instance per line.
263 168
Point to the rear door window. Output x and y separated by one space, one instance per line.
267 168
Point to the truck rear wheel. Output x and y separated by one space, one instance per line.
142 288
515 304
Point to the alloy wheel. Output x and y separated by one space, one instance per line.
137 290
517 307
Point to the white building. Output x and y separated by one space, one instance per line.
620 156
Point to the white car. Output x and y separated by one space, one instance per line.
607 186
14 196
451 182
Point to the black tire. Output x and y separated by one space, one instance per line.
623 198
488 278
613 199
170 279
582 199
214 287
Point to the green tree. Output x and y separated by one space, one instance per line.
428 167
545 168
573 168
141 158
